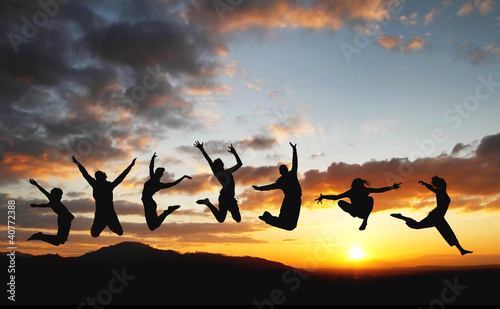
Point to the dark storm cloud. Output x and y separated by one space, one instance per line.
86 80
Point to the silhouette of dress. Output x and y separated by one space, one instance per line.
105 214
64 217
152 186
435 217
290 207
227 201
361 204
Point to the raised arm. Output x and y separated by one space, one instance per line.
430 187
295 160
395 186
200 147
84 172
33 182
272 186
152 165
168 185
120 178
238 160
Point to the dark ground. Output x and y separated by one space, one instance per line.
144 275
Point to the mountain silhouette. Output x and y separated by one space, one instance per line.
134 273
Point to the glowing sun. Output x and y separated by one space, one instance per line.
356 253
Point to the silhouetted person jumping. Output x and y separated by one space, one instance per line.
105 214
227 202
435 218
361 204
290 207
64 217
152 186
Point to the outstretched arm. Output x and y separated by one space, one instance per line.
200 147
272 186
331 197
430 187
120 178
168 185
395 186
238 160
152 165
84 172
40 205
33 182
295 160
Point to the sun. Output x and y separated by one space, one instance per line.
356 253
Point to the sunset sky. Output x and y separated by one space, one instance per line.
389 91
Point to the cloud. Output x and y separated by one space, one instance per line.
415 43
390 42
394 43
267 15
294 125
476 55
466 9
482 6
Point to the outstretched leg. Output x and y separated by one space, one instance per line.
278 222
51 239
445 230
220 215
152 218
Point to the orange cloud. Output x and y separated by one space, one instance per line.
414 44
390 42
289 14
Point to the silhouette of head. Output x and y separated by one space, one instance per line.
218 165
56 193
100 176
283 169
159 172
359 183
439 182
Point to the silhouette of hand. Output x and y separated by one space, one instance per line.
293 146
33 182
256 187
33 205
319 199
133 162
231 149
154 155
75 160
421 182
188 177
396 185
198 145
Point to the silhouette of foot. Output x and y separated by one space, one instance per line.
465 252
204 201
399 216
171 209
264 216
35 236
363 226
